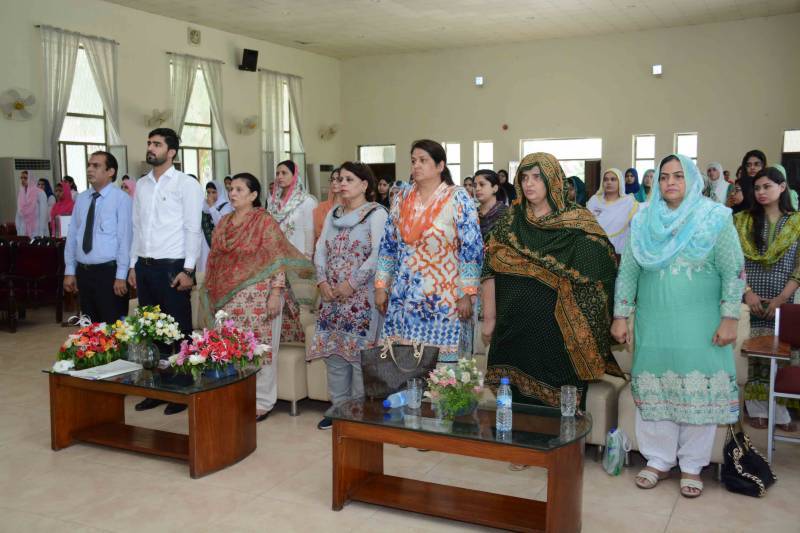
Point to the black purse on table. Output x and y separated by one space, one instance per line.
745 470
387 368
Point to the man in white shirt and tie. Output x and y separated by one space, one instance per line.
167 210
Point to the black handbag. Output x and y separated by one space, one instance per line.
387 368
745 471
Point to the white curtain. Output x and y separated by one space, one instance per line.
181 83
60 53
273 105
212 73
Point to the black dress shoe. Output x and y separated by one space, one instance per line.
261 418
173 408
148 403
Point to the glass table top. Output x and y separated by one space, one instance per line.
537 427
169 380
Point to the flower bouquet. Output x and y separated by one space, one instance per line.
220 350
454 389
144 327
92 345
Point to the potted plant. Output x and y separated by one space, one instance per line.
454 389
145 327
93 344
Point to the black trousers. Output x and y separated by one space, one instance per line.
154 278
96 292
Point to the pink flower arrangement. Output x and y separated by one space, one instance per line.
455 388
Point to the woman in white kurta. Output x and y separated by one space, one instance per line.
215 207
614 210
32 210
293 208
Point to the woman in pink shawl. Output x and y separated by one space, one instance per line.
31 220
62 207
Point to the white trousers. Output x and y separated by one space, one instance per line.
267 379
665 443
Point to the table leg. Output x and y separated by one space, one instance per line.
773 370
222 426
354 461
565 489
72 410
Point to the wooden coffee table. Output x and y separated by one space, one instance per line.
222 413
541 437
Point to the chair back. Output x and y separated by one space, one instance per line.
787 324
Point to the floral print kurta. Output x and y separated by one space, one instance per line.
427 279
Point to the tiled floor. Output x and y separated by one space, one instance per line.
286 484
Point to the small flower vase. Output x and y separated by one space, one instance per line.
219 373
445 412
144 352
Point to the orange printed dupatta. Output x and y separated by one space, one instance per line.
416 217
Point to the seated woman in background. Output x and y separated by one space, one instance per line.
770 236
682 272
215 207
490 197
346 259
632 185
62 208
576 191
246 276
547 291
430 258
716 187
753 162
613 210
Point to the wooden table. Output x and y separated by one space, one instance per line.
222 427
358 471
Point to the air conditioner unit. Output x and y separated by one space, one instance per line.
317 175
10 170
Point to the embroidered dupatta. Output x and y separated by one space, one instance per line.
789 234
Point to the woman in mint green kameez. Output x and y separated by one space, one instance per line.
682 271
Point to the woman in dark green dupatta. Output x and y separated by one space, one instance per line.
548 274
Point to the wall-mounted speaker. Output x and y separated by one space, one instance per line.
249 60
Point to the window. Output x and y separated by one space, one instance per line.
84 129
571 153
376 153
644 153
484 155
686 144
287 124
791 141
453 151
196 153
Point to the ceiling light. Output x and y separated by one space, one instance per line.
478 81
657 70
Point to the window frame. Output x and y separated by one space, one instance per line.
697 144
636 159
179 158
478 164
457 179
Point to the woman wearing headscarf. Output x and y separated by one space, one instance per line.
384 188
576 191
32 211
647 183
321 211
48 190
62 208
716 187
736 197
246 276
430 259
293 209
682 272
216 206
548 263
129 186
770 235
632 185
792 192
613 210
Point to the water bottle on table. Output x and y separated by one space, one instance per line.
504 414
398 399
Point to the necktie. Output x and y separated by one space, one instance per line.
88 232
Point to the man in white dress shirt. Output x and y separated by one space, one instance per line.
167 210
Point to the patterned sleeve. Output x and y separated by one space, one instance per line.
321 251
470 252
627 284
377 222
729 262
795 275
389 249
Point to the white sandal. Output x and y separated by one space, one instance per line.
650 477
688 483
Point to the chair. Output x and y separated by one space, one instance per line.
6 286
37 274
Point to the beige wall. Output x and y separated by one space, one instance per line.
734 83
144 80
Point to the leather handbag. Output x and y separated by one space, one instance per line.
745 471
386 368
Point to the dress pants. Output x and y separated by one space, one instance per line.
267 378
154 278
96 292
345 380
665 443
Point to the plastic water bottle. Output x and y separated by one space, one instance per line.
398 399
503 420
617 445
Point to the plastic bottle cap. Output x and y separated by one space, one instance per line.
504 381
387 404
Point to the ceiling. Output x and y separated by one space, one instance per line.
351 28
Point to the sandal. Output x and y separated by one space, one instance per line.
758 423
650 478
689 485
791 427
517 468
